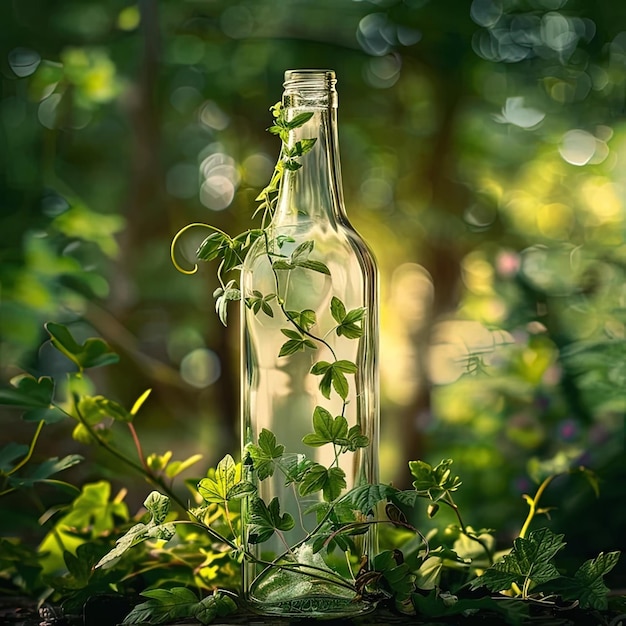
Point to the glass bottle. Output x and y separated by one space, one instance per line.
309 377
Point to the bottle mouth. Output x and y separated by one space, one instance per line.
311 84
312 78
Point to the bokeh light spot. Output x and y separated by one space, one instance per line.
24 61
200 368
577 147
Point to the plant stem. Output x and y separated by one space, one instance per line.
452 504
138 447
31 449
532 504
281 303
151 478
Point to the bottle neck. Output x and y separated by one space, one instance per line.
314 191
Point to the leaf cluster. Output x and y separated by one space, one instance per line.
167 605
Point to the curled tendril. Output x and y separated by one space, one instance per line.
182 270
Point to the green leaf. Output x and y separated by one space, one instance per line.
348 322
345 366
265 520
265 454
43 471
365 497
434 482
296 467
281 264
302 252
179 603
281 240
94 352
333 375
587 586
212 247
330 481
158 506
174 468
316 266
527 565
10 453
258 302
296 343
213 606
225 485
328 429
304 319
355 439
29 392
441 605
299 120
337 309
49 416
223 296
94 409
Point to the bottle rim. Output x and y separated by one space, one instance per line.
309 80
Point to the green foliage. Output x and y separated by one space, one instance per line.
333 376
529 563
227 484
348 322
166 605
587 586
265 454
434 482
92 353
265 520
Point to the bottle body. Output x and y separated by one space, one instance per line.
309 393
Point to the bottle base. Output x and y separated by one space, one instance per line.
314 606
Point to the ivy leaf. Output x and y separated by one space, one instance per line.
94 352
179 603
226 485
330 481
296 343
365 497
587 586
434 482
333 375
258 302
397 576
265 520
304 319
158 506
348 322
355 439
265 454
296 468
328 429
300 257
223 295
528 564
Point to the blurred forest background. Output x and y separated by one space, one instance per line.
483 149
